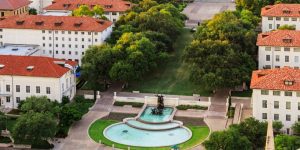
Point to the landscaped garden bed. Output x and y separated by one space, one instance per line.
118 116
5 139
186 107
133 104
188 121
96 133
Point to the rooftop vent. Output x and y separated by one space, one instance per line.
268 7
58 23
77 24
286 11
29 68
66 5
62 63
128 4
20 22
2 66
39 22
265 35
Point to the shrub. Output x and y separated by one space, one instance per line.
65 100
133 104
185 107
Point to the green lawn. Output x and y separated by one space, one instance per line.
173 76
96 130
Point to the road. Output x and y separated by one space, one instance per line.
201 10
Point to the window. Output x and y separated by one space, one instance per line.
264 104
268 48
43 31
63 52
70 46
75 39
267 57
82 46
276 104
276 93
288 105
38 89
63 45
288 117
27 89
56 52
286 59
82 33
277 58
286 19
96 33
270 18
296 59
50 51
288 93
298 105
286 49
50 45
56 38
7 99
277 48
63 39
82 53
56 45
7 88
69 32
114 13
264 116
82 39
70 52
270 26
298 117
276 116
17 88
264 92
50 38
76 46
298 94
49 31
69 39
296 49
294 19
96 40
76 32
44 38
18 99
48 90
44 44
277 26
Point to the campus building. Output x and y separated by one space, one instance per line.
25 76
63 37
40 4
279 48
113 8
13 7
276 95
274 16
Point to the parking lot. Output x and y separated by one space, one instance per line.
201 10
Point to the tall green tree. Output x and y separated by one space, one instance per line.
96 64
39 104
227 140
287 142
277 126
34 127
85 10
2 121
215 64
296 128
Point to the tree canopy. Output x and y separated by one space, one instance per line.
85 10
286 142
39 104
221 52
34 127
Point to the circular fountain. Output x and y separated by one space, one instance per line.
149 129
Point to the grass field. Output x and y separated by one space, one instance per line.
96 130
173 76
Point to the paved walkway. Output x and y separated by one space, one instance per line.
78 138
201 10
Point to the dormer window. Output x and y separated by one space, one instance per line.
39 22
287 40
58 23
20 22
288 83
286 12
108 6
100 21
77 24
2 66
66 5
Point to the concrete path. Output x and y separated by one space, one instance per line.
201 10
78 138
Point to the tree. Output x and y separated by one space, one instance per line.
96 64
277 125
254 130
84 10
296 127
69 114
287 27
220 59
227 140
32 11
34 127
2 121
287 142
39 104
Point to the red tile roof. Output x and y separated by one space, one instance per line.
288 38
281 10
108 5
13 4
273 79
68 23
43 66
